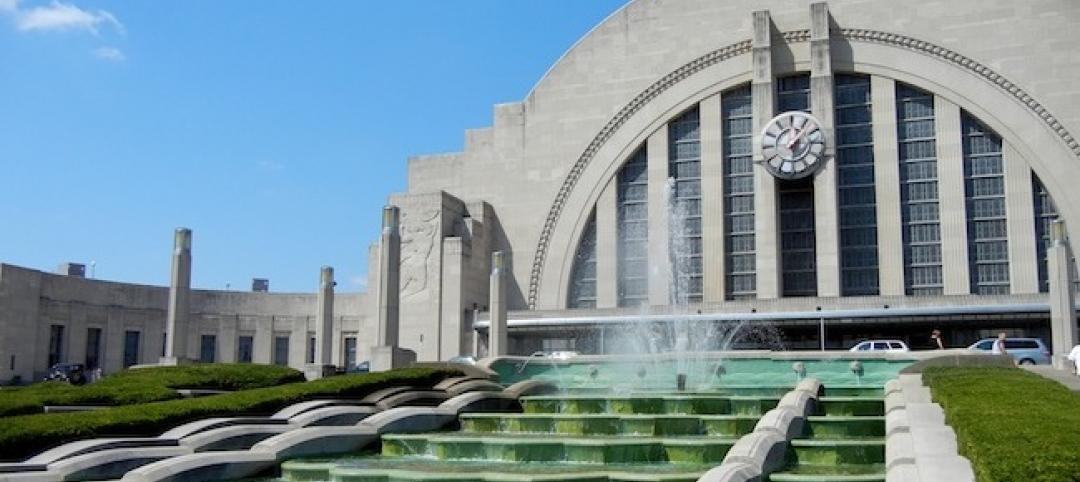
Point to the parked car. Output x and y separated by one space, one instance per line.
464 359
880 345
1025 351
67 372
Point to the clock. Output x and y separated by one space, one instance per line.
793 145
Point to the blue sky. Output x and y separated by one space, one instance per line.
274 129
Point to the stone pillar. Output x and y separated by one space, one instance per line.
712 199
607 246
827 229
887 187
1020 219
324 326
659 230
179 309
766 216
1062 298
498 344
950 163
386 354
389 271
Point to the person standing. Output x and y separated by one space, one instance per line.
935 340
999 345
1074 355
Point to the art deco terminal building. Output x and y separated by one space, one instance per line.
880 168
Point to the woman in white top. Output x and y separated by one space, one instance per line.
1074 355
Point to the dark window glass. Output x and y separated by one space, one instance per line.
56 344
244 349
208 349
281 350
739 247
131 348
93 348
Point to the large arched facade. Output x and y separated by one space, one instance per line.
944 153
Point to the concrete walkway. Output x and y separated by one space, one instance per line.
1071 381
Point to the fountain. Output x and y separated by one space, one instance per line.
665 402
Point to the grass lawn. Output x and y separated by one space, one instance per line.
1013 425
144 385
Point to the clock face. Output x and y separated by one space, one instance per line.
793 145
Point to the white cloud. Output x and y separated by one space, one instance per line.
60 16
8 6
109 53
358 282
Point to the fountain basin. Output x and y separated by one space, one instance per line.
610 424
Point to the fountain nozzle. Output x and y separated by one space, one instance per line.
856 367
799 368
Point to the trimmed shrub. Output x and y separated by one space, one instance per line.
23 436
1013 425
144 385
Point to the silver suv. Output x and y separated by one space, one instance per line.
1025 351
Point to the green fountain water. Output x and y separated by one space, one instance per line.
609 423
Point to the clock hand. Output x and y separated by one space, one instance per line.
797 137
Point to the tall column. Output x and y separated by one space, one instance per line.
1020 219
712 199
1062 298
950 154
827 229
387 355
887 187
389 270
324 318
179 309
497 337
659 228
607 246
766 216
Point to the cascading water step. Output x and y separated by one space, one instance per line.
846 427
650 404
401 469
610 424
851 406
543 448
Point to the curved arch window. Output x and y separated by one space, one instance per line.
684 166
919 209
984 192
855 186
798 259
739 244
633 217
583 277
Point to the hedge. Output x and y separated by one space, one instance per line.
25 435
1013 425
144 385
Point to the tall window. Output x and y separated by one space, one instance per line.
93 348
855 186
311 349
583 279
56 344
244 348
350 352
797 243
984 190
281 350
1045 214
684 166
131 348
207 348
740 262
918 191
633 196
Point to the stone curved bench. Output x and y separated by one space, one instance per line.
316 441
381 394
332 416
409 420
198 426
238 437
301 407
110 464
474 386
449 382
530 387
203 466
423 398
482 402
81 447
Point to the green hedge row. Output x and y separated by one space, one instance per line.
23 436
1013 425
144 385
